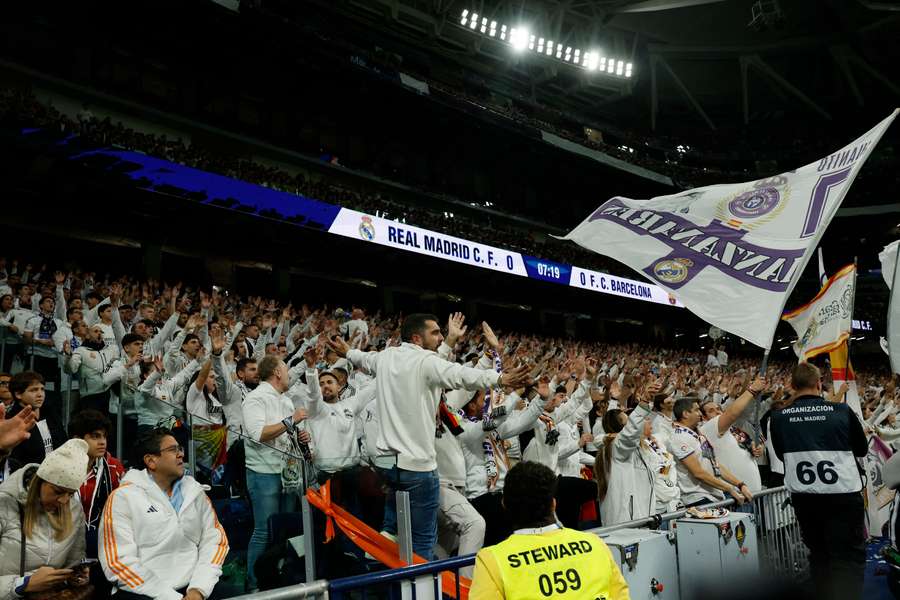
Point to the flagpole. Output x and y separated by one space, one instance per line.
852 304
765 362
893 285
757 432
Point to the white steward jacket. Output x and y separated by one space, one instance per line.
148 549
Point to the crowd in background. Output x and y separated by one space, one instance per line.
21 107
262 385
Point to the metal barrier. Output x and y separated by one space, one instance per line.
316 589
782 551
340 588
778 534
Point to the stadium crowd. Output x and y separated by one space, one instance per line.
252 388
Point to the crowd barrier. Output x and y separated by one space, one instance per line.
782 555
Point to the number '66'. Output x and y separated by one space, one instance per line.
824 469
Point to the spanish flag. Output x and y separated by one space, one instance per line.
842 372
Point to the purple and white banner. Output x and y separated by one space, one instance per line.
732 253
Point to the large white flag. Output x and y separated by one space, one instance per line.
891 274
731 253
824 323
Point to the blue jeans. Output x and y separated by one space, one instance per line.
266 499
424 492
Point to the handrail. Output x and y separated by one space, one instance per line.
315 589
669 516
403 573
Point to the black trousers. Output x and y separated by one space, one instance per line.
497 524
98 402
49 370
126 595
833 528
571 494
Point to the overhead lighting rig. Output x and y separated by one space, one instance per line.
521 39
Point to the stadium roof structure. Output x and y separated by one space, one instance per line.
712 64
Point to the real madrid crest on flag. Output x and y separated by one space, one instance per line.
757 205
731 253
672 271
367 228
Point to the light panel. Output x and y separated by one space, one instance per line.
519 38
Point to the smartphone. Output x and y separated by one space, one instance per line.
85 562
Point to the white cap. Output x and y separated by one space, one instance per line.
66 466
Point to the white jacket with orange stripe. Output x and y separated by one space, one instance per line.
147 549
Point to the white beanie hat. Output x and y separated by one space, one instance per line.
66 466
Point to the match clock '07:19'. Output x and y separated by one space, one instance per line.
548 270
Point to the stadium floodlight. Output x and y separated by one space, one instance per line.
520 38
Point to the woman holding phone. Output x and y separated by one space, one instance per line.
42 526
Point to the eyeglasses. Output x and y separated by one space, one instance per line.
4 383
177 449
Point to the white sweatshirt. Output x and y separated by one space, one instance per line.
472 442
232 394
571 411
207 413
333 426
265 406
157 398
409 381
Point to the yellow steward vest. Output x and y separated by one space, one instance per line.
564 563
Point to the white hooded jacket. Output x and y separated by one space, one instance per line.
148 549
42 548
630 493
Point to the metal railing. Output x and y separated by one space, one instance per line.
316 589
782 552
